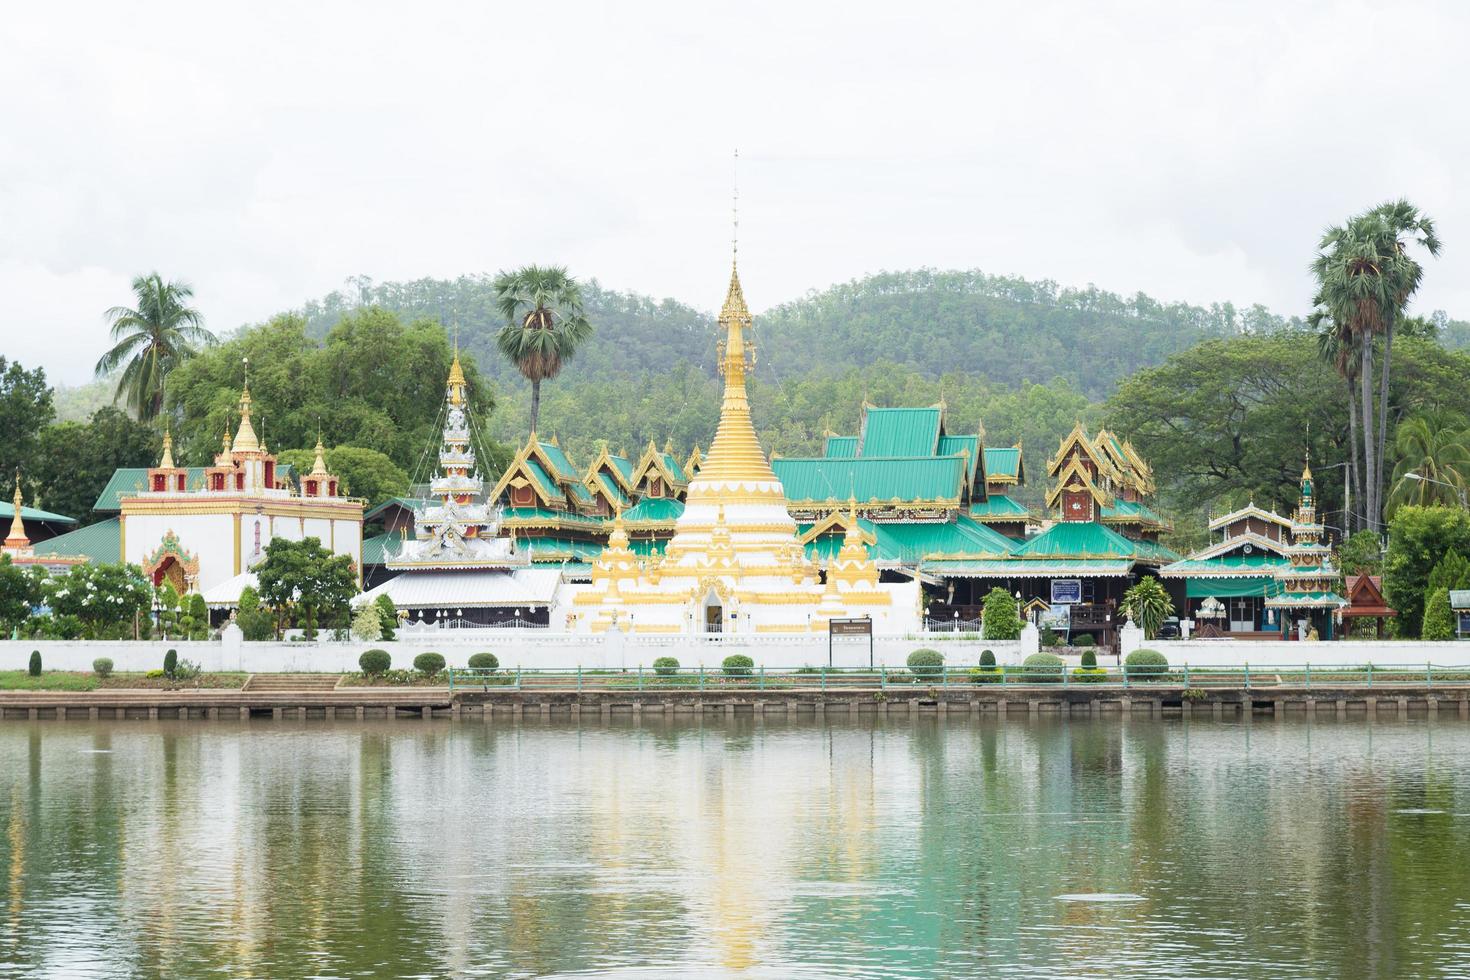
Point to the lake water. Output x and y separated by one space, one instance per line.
662 848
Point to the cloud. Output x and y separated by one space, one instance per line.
1192 151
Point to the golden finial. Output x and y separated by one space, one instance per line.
17 537
319 466
669 445
456 383
245 440
167 462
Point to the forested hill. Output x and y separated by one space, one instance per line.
1003 329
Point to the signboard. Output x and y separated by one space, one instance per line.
1066 591
1465 624
851 627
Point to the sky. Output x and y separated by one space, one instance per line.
265 152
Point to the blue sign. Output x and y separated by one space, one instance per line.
1066 591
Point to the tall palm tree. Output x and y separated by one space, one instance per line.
1365 277
152 340
544 324
1335 346
1432 451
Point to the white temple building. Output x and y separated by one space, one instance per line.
459 568
735 563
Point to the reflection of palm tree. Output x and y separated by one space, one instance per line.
1431 453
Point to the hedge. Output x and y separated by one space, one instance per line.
375 661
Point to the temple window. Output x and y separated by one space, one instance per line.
158 484
311 488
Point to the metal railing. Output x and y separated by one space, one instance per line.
760 678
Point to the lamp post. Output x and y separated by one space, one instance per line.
1429 479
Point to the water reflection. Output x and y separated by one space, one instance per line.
874 847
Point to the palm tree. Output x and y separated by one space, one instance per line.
1335 346
1365 277
544 324
151 341
1432 452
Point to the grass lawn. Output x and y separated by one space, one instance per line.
76 680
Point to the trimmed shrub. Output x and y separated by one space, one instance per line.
1085 640
1089 675
926 663
1147 665
102 667
986 675
987 658
1041 668
170 663
1049 637
387 617
34 667
484 661
1439 618
1089 658
666 666
429 663
737 665
999 618
375 662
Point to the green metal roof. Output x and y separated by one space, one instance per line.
1133 510
405 503
676 468
1002 461
825 546
374 548
1227 588
129 480
554 517
7 511
1077 539
899 432
611 485
998 506
969 445
543 480
624 466
559 462
914 542
551 549
100 542
1225 566
654 510
647 547
1004 568
926 478
841 447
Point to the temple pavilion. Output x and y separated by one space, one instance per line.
734 562
462 565
18 547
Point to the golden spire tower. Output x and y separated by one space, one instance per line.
17 539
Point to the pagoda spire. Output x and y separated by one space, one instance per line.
319 465
245 438
17 539
167 462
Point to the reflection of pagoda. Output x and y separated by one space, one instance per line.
1309 586
459 565
734 562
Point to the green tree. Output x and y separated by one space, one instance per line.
1433 462
367 623
305 582
152 339
1361 554
1418 540
110 602
168 611
999 618
544 324
25 411
1439 618
1452 572
387 616
20 592
1365 277
1148 605
255 622
363 472
75 460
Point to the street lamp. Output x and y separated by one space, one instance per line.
1429 479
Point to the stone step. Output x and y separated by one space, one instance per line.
291 682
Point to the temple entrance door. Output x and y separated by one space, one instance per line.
1242 615
170 572
714 614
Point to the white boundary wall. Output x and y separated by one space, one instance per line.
1329 653
522 648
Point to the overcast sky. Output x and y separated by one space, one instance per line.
266 151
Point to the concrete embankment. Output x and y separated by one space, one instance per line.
348 703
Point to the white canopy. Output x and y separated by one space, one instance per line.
469 589
227 593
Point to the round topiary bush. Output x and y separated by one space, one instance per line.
374 662
737 665
1089 658
170 663
926 663
34 667
666 666
1147 665
484 661
102 667
1085 640
987 658
1041 668
429 663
